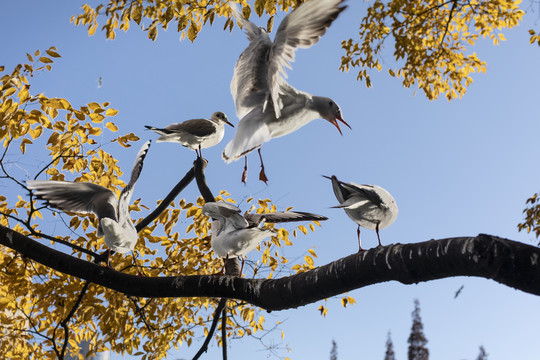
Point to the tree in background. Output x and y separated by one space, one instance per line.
483 354
389 355
417 339
333 351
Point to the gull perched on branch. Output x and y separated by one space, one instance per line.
370 206
234 235
266 104
195 134
83 197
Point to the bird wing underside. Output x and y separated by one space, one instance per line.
300 29
127 191
78 197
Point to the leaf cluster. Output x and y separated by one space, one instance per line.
431 40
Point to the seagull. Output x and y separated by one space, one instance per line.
234 235
195 134
370 206
84 197
266 104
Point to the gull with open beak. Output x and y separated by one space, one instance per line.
266 104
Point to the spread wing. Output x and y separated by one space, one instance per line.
79 197
249 83
226 214
127 191
300 29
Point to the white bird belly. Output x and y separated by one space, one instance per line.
238 242
118 238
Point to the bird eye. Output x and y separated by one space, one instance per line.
330 103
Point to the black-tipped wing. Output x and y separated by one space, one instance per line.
79 197
366 191
281 217
125 195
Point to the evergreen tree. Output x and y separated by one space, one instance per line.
333 351
483 354
417 339
389 355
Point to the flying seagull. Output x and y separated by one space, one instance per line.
84 197
266 104
370 206
195 134
234 235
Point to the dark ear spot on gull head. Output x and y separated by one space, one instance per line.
222 117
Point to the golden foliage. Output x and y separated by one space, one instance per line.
532 216
189 15
35 301
430 40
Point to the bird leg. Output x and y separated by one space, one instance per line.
136 266
244 174
241 267
262 175
108 258
225 259
359 244
377 231
199 153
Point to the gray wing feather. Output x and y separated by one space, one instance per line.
79 197
249 86
195 127
127 191
300 29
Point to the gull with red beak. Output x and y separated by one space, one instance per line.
266 104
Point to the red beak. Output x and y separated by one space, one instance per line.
336 124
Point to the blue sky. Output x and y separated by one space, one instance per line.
455 168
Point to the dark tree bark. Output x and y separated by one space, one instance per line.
508 262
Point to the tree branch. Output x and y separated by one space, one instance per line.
508 262
170 197
217 313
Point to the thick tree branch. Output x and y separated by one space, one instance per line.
508 262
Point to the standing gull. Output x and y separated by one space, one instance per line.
234 235
370 206
195 134
83 197
266 104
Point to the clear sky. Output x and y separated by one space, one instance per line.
455 168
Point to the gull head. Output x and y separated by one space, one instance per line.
219 116
331 112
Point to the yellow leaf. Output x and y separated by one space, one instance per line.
111 112
111 127
45 60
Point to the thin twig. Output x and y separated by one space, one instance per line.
217 315
170 197
224 332
64 322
